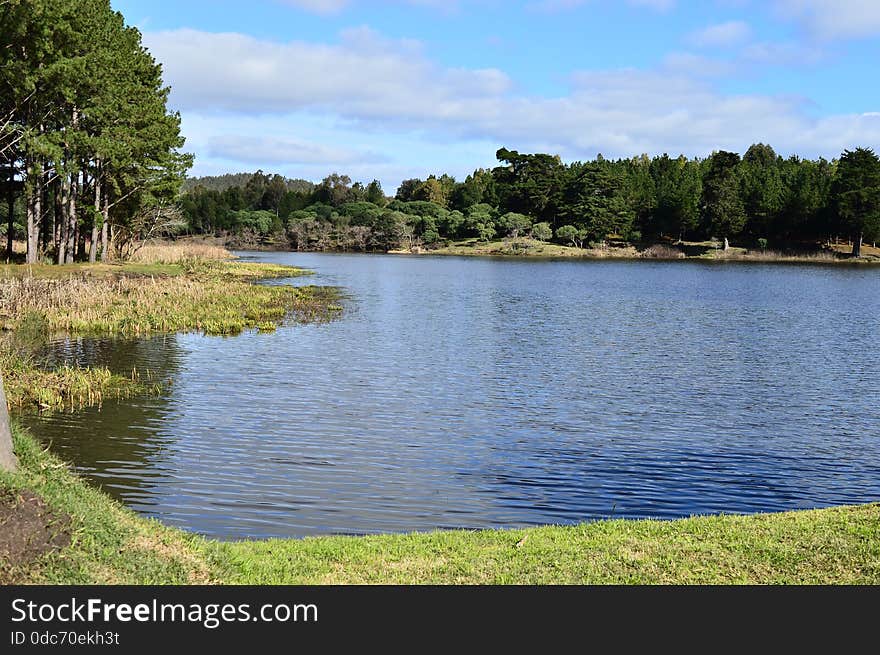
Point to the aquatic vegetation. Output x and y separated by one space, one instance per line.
215 297
210 297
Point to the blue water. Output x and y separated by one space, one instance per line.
475 393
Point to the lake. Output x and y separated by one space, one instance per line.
476 393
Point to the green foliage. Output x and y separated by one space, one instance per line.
786 201
86 120
514 224
542 231
571 234
856 194
485 231
723 208
260 221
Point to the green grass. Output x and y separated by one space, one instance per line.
110 544
30 388
113 545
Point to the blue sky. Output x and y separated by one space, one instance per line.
404 88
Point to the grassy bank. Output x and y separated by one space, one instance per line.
97 540
699 251
167 289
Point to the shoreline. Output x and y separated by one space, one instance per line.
531 250
89 538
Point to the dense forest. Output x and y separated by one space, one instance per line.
88 149
760 200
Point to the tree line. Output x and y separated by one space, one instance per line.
89 152
760 199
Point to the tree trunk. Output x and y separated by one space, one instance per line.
8 461
857 245
726 244
34 211
63 223
93 245
71 221
56 217
93 241
10 199
105 228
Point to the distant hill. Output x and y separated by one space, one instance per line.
223 182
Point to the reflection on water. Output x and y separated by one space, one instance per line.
121 446
475 393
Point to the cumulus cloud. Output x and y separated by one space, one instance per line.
379 96
363 74
722 35
834 19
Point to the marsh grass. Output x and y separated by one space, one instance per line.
175 252
215 298
211 296
742 254
32 388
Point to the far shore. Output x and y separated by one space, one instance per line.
524 247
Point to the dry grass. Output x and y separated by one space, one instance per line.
845 249
662 251
178 252
742 254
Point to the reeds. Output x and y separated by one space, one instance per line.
819 256
175 252
210 296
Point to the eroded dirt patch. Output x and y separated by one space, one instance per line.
28 529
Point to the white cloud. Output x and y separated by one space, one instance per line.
657 5
834 19
781 53
331 7
366 98
365 74
553 6
694 65
722 35
264 149
323 7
